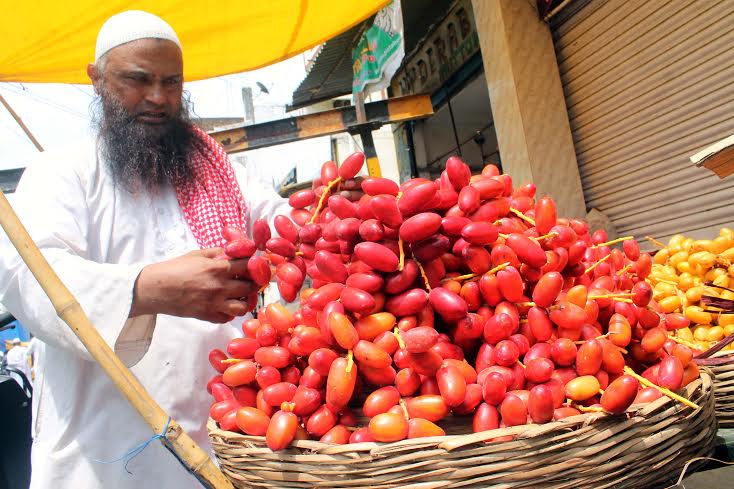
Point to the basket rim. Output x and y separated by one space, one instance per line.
450 442
723 353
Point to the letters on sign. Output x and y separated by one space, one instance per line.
446 48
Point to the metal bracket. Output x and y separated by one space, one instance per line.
255 136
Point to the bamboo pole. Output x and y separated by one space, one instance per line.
193 458
21 124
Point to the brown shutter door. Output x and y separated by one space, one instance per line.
649 83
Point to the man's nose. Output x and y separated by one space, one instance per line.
155 95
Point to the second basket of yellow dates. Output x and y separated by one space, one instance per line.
695 278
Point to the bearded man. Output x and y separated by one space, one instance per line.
131 222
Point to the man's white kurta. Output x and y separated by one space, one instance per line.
97 238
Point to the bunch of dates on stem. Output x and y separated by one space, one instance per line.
464 296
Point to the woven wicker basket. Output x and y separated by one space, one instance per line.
595 450
724 392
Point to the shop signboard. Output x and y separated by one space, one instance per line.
447 46
380 51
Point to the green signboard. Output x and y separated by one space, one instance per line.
380 51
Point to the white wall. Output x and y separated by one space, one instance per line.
347 144
273 164
386 153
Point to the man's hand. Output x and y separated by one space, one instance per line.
194 285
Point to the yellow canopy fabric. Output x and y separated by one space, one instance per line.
53 41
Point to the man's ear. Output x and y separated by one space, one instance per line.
94 74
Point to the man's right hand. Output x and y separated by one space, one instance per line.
194 285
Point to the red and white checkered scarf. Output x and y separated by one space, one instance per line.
212 199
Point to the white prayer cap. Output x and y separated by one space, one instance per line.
130 26
16 341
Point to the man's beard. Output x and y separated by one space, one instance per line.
143 156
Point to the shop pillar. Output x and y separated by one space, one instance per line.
527 101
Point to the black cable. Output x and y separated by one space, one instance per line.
453 125
48 103
411 150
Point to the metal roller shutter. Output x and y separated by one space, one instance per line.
648 83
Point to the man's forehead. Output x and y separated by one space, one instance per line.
146 53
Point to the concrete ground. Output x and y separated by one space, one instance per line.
715 475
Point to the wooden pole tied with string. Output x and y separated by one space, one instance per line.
193 458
